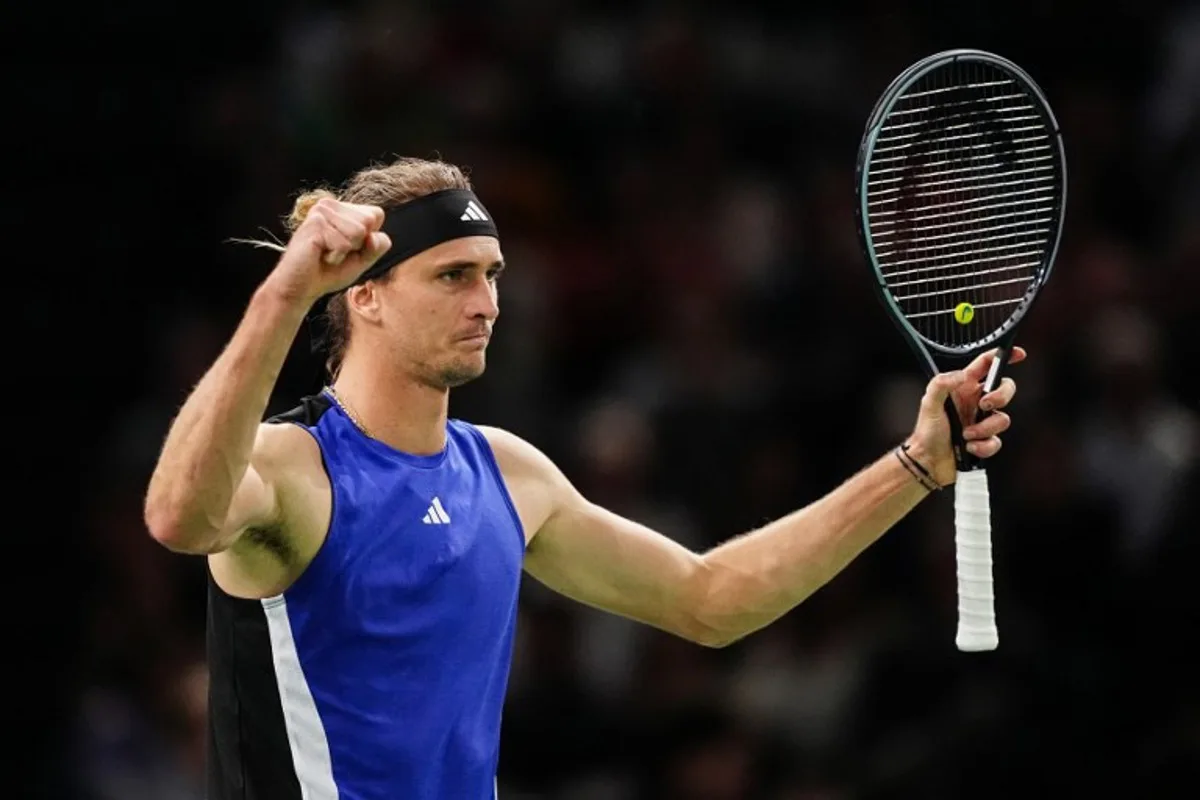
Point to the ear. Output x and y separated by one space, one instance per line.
364 300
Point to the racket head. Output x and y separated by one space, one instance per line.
961 192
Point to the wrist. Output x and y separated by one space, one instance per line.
921 465
276 290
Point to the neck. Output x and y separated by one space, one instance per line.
394 408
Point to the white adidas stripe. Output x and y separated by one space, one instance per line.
441 512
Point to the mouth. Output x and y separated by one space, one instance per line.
479 338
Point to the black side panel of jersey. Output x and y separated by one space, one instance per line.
249 757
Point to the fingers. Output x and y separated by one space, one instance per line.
371 216
985 448
377 244
982 437
940 387
337 246
357 222
1000 397
372 250
978 369
989 426
346 228
369 252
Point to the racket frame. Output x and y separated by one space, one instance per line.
1002 338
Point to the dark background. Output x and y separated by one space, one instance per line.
688 329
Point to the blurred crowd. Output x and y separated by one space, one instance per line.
688 329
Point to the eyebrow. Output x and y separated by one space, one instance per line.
468 264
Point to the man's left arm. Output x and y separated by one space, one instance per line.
599 558
603 560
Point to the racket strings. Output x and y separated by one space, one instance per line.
942 235
899 113
935 251
920 280
1038 171
962 189
990 199
900 162
965 131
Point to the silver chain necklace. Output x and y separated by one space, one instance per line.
348 411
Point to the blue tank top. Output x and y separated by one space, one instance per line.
392 650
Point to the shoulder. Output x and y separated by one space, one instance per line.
286 441
538 487
515 455
282 447
288 459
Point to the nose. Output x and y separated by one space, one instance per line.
483 302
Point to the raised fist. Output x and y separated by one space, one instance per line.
335 244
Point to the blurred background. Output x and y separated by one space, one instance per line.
674 187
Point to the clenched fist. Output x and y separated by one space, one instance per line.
335 244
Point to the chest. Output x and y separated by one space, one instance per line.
445 542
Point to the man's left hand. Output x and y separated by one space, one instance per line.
930 443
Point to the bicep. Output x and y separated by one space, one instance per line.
255 506
278 517
599 558
256 500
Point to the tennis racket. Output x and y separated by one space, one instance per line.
962 186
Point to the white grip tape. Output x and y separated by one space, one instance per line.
973 550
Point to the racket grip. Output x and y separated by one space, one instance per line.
973 552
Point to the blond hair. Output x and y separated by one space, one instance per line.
384 185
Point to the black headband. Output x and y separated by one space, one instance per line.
427 221
414 227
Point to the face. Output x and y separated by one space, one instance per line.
433 314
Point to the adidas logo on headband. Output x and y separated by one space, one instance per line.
473 212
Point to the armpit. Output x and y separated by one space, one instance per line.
274 542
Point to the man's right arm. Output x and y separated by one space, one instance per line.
207 487
216 476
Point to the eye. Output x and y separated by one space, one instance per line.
494 274
452 275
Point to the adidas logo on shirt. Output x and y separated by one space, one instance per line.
473 212
436 515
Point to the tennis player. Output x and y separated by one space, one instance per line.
365 551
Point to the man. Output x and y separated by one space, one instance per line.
365 559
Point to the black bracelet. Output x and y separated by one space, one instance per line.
916 475
914 467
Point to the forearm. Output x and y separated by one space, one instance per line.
756 578
209 445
